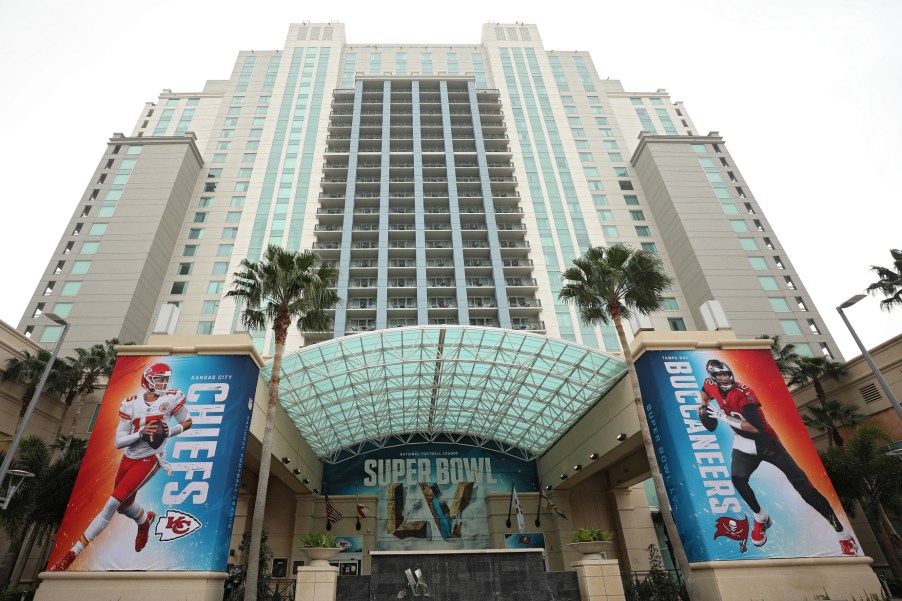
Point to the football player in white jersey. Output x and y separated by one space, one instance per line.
143 428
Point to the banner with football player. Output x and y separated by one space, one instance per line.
743 477
431 496
159 481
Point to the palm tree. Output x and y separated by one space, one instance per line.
281 288
813 370
611 284
830 417
87 368
864 476
890 282
785 355
27 370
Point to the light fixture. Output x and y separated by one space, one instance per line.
593 456
621 437
547 487
306 480
316 491
563 476
286 460
577 467
297 471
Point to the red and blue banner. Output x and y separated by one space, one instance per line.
431 496
749 446
190 486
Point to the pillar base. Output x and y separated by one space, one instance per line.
785 579
316 583
599 579
134 586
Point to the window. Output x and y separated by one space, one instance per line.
224 250
582 144
606 215
214 287
97 229
621 172
779 305
249 157
601 120
223 145
219 158
748 244
205 201
791 327
234 110
227 133
615 157
80 267
585 156
657 101
62 309
578 132
758 263
134 150
237 99
574 121
604 131
768 283
571 110
610 231
245 172
637 215
215 172
626 185
670 304
70 289
209 307
237 201
89 248
596 185
700 148
637 101
190 250
210 187
200 217
600 199
205 327
196 233
676 324
184 269
590 171
643 231
231 121
630 199
230 233
241 186
610 143
51 333
739 225
179 288
650 247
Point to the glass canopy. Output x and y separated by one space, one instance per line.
521 391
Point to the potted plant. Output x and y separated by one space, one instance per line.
320 548
589 541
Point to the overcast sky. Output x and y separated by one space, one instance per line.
807 94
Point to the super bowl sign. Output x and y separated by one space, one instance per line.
431 496
741 473
159 482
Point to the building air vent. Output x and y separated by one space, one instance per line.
870 393
524 34
314 33
512 33
327 33
499 33
302 33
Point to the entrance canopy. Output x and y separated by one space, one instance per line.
521 391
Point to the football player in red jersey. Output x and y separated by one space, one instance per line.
143 428
755 441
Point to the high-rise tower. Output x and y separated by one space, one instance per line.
449 184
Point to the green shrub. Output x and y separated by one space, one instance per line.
585 535
320 540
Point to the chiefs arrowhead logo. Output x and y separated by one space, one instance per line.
176 524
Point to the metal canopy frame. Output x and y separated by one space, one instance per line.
516 391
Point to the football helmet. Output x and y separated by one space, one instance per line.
155 376
717 368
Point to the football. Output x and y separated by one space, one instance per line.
158 437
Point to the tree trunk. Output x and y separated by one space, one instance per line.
253 561
79 405
819 391
9 561
22 559
59 426
883 539
43 556
663 500
889 530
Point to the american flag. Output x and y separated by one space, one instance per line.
550 505
332 514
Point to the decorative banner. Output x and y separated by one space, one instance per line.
527 540
431 496
748 450
350 544
186 482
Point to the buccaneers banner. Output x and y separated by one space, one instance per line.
431 496
159 482
743 477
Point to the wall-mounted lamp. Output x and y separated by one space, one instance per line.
621 437
593 456
306 480
563 476
547 487
316 491
286 460
297 471
577 467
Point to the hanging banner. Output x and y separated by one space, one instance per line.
743 477
159 482
431 496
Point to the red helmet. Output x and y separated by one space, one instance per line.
156 375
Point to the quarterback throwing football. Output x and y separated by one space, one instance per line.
143 428
755 441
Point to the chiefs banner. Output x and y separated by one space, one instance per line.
741 473
159 482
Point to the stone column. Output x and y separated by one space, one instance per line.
599 579
316 583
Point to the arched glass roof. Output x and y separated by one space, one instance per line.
513 388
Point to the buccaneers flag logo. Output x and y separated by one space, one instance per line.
734 528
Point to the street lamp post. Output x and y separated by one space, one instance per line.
10 453
866 355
